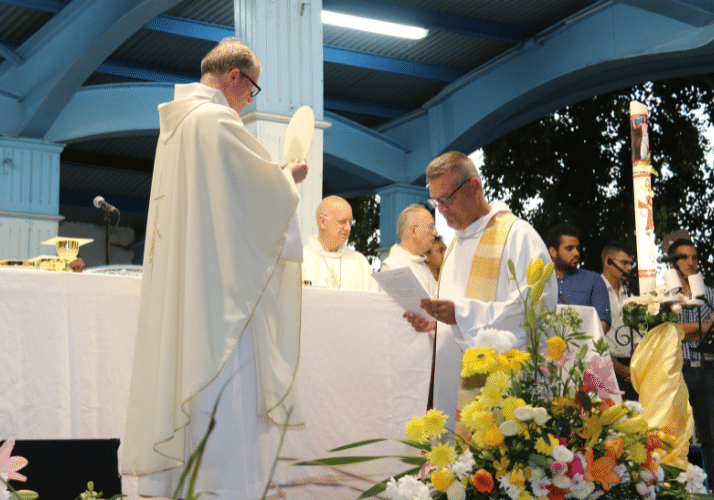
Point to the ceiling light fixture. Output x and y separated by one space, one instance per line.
373 26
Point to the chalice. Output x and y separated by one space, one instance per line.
67 250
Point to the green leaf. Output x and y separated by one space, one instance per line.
358 444
26 494
512 269
340 460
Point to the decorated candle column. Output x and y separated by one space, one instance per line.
642 183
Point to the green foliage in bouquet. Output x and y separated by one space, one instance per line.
649 310
543 427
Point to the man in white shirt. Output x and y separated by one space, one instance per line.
456 189
617 261
220 297
416 231
327 260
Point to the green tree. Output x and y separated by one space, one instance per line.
365 233
574 166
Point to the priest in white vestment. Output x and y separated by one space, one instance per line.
220 299
474 268
416 231
327 260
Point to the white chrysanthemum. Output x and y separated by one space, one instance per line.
456 491
635 406
500 340
646 476
646 491
523 413
561 481
407 488
694 477
509 427
659 474
584 491
463 467
656 457
536 474
540 416
540 487
562 454
653 308
577 482
677 308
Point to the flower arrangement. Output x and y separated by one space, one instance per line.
9 465
542 427
649 310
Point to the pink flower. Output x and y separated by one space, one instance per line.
596 378
567 356
578 465
10 465
558 468
425 470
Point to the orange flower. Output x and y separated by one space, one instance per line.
600 470
615 447
555 493
653 441
482 481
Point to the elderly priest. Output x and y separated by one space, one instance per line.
328 261
220 297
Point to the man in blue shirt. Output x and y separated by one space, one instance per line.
576 286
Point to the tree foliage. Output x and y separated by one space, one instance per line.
574 166
365 233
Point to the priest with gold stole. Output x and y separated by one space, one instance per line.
220 299
475 290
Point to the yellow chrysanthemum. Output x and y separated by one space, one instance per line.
637 453
509 404
524 429
559 404
489 397
478 360
415 430
477 439
434 421
442 455
545 444
499 381
482 420
525 495
493 436
512 360
556 347
442 479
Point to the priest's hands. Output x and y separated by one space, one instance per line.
298 169
441 309
419 323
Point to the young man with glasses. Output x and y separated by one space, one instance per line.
475 289
220 280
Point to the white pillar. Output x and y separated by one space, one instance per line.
29 196
286 35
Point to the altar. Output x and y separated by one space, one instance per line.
65 369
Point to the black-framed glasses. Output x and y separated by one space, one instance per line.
254 92
446 200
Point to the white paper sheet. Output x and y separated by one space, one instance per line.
404 287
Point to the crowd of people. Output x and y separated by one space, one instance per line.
220 302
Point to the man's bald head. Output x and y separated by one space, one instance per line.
334 222
415 228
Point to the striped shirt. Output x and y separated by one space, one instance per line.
691 315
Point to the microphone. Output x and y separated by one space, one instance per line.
671 258
100 202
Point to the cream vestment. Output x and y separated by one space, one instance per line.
345 269
399 257
504 313
217 274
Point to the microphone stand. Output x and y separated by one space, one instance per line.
107 220
630 282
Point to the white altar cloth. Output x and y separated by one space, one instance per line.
68 342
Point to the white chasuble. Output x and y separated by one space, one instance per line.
213 270
505 313
345 269
399 257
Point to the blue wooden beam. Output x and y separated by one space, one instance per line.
431 19
365 108
399 66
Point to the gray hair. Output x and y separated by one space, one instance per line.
453 161
407 219
228 54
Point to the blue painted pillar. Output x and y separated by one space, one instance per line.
392 200
286 35
29 196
